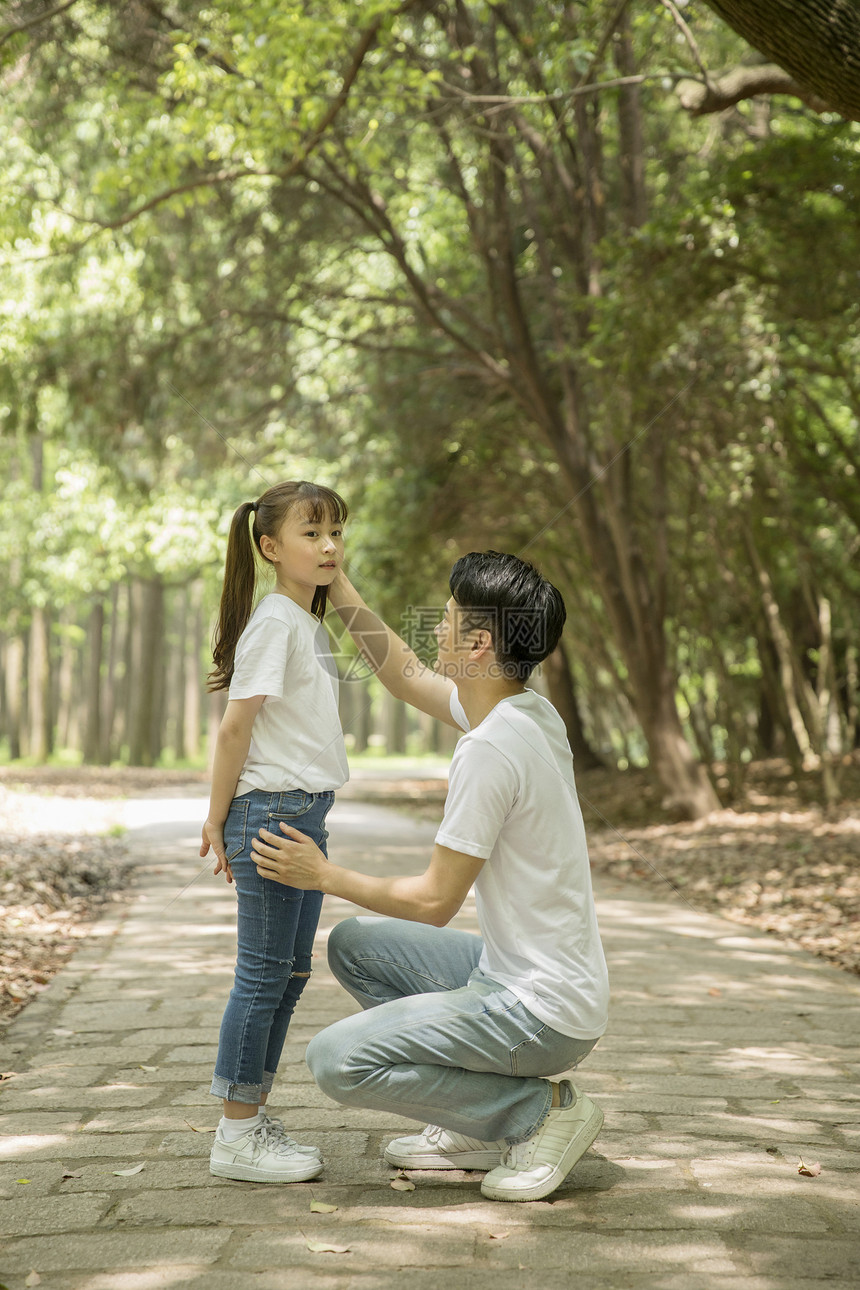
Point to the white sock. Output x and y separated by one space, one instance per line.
230 1130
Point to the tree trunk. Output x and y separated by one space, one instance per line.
67 697
817 41
689 790
631 137
145 679
362 726
634 592
14 683
41 724
192 723
112 706
93 683
563 698
395 724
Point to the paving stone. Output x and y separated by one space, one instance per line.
26 1122
678 1193
100 1054
76 1146
128 1249
63 1214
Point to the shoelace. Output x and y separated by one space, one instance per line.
278 1130
271 1136
515 1156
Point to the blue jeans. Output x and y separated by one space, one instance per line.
276 928
440 1042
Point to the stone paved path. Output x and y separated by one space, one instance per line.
728 1059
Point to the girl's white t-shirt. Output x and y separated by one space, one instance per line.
512 801
297 739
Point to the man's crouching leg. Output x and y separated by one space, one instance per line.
328 1060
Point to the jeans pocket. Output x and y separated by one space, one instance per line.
530 1057
296 802
235 829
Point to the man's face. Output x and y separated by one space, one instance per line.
449 653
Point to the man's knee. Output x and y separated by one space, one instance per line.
340 938
346 941
325 1059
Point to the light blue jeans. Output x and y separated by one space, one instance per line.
275 935
439 1042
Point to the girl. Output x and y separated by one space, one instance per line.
279 756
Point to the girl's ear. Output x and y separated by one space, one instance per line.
268 548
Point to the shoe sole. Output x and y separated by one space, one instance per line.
460 1160
574 1151
248 1173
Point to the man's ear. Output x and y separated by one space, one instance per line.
482 643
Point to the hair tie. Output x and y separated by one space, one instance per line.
255 506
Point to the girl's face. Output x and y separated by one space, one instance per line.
306 554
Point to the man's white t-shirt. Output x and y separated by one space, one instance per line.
297 739
512 802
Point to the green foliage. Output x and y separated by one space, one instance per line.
397 247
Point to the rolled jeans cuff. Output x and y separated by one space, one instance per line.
248 1093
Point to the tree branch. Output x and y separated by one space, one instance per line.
34 22
700 99
817 42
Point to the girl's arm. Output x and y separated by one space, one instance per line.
394 662
231 749
432 897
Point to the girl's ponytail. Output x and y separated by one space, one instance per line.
237 596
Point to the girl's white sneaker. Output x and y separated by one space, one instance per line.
263 1154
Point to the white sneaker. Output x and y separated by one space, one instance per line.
532 1169
437 1148
277 1126
263 1154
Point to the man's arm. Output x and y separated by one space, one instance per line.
394 662
434 897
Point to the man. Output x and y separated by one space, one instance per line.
458 1029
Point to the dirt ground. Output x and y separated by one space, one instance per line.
777 860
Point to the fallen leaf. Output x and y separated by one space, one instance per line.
322 1247
72 1173
148 1068
808 1171
194 1129
23 1181
402 1184
33 1279
7 1075
127 1173
715 993
320 1207
498 1236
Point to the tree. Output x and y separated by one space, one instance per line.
502 284
815 46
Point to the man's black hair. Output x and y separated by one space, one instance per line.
521 609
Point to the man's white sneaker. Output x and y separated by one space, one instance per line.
277 1126
263 1154
532 1169
437 1148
